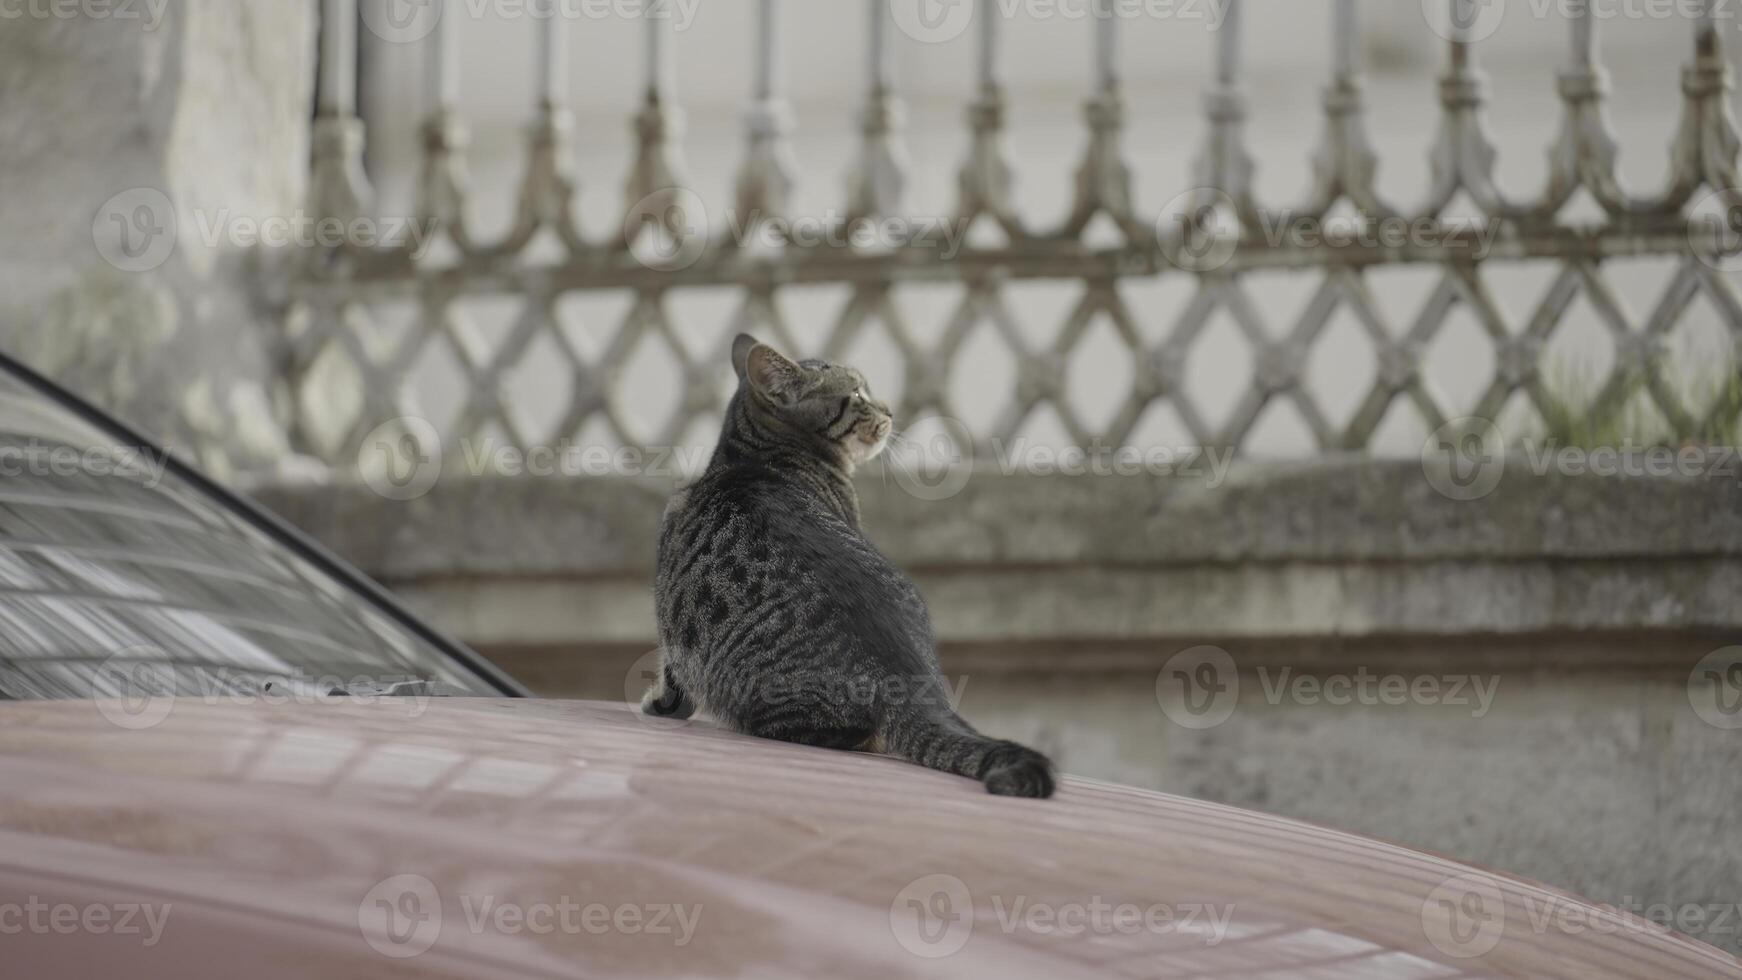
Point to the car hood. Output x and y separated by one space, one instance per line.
479 838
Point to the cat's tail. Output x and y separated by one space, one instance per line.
949 744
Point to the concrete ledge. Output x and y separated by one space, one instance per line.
1344 548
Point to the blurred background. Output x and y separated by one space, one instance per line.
1392 553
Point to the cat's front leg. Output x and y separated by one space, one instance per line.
666 699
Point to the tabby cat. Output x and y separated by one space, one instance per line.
777 616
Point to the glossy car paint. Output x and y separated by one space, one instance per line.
445 838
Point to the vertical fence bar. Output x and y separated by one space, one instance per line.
658 65
1228 47
880 175
881 56
442 68
338 187
442 190
987 14
547 189
1585 153
765 182
1463 156
553 65
985 180
338 80
1225 166
1583 34
656 189
1103 179
1708 83
768 63
1345 164
1106 47
1346 40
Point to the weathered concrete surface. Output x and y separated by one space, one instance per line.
131 144
1347 549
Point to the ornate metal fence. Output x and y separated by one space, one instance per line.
1216 232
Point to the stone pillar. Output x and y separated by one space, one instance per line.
140 145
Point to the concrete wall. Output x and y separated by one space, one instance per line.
135 141
1509 680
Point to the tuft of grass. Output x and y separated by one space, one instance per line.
1571 417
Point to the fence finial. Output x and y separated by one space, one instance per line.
879 176
765 182
656 185
1345 164
1103 178
1225 167
985 181
441 197
338 188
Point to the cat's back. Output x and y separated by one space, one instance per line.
740 509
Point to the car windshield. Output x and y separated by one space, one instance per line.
119 577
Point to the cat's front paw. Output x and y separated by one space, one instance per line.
664 701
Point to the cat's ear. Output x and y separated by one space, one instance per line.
741 347
767 371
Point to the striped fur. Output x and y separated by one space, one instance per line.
778 617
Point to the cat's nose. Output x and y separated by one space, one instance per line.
884 426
